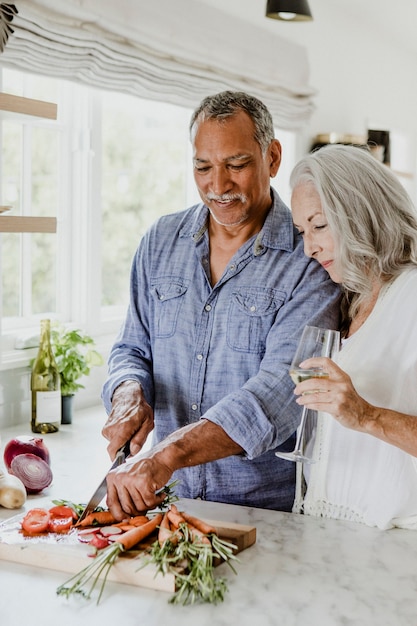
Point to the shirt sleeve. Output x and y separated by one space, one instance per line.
262 414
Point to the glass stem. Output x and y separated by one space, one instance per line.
300 431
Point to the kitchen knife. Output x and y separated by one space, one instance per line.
101 490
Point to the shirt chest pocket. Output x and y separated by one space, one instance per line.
252 312
168 299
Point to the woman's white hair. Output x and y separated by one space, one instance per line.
370 215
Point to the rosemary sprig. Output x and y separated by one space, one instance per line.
192 563
170 496
102 562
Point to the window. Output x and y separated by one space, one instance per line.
29 175
106 168
145 170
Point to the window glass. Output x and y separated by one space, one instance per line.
30 85
45 171
11 167
107 169
10 262
43 273
11 164
30 172
44 202
144 170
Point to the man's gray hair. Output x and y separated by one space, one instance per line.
227 103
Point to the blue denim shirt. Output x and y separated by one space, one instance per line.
223 352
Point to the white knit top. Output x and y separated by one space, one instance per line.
358 477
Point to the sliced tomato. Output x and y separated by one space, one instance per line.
62 510
60 524
36 521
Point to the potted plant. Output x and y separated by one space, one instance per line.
75 356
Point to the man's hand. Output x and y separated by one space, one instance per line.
131 419
132 487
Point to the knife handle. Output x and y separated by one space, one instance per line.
122 454
125 450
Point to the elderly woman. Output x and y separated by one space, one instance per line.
359 223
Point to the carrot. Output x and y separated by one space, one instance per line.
139 520
130 538
197 528
124 526
136 520
198 535
100 518
165 532
205 528
175 517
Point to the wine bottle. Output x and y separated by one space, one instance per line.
45 386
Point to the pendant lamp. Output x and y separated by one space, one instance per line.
289 10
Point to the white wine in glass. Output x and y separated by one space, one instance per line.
314 342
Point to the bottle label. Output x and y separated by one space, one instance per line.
48 406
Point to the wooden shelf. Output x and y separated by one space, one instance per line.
17 105
22 224
27 106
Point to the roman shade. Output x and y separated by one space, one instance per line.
178 52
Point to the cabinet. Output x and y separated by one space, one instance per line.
18 105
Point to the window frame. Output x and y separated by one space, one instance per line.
78 283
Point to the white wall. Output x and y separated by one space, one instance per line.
361 68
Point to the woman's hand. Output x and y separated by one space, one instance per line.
335 395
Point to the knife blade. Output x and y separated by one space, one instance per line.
101 490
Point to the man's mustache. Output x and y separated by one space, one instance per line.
227 197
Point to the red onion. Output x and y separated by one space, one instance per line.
33 471
25 444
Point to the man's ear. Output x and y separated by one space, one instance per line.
275 151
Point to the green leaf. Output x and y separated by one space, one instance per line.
75 356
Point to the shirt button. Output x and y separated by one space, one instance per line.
200 357
161 297
253 308
232 267
194 407
208 307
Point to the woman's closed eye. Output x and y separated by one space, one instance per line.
314 228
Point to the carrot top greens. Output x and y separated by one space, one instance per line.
189 549
192 561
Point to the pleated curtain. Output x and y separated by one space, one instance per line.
175 51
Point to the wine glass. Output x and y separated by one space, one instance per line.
314 342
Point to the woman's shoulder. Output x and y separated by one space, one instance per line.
398 299
405 282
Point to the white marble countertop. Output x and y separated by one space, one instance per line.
302 570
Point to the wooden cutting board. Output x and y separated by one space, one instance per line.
72 558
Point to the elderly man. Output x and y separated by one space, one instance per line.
219 295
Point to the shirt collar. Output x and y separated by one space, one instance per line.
277 231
